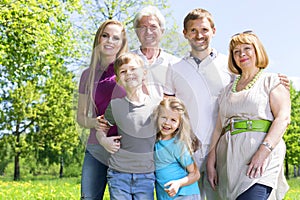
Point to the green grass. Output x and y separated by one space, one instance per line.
294 191
57 189
46 188
43 188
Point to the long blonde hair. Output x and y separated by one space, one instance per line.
95 59
184 132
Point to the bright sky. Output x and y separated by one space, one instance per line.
276 22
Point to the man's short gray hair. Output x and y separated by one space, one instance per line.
149 11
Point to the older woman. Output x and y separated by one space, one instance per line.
247 149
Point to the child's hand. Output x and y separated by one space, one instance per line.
172 187
111 144
102 124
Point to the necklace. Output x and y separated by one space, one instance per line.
249 85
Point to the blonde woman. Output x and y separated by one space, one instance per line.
97 87
247 149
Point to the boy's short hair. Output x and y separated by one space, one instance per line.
125 58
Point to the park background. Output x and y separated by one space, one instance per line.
44 47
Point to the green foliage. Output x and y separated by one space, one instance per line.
292 135
5 152
96 11
37 114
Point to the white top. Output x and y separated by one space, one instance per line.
156 72
235 151
198 86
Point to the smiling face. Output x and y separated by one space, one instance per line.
110 41
168 122
149 32
244 56
199 34
131 75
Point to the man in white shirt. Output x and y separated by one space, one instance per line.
197 80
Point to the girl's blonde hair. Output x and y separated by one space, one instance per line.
184 132
247 37
95 59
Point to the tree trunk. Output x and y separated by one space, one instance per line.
17 167
287 169
295 171
298 170
17 160
61 170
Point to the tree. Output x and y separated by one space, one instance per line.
56 135
292 135
36 40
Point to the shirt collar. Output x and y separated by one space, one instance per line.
212 55
159 60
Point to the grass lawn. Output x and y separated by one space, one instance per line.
69 188
294 192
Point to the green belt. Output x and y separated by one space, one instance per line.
238 126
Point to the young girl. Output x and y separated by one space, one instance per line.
175 170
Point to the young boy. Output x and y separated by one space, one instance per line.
131 165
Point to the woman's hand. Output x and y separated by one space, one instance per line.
284 81
258 162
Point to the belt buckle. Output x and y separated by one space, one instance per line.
249 124
232 121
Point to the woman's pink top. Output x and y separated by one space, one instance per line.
105 89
